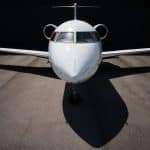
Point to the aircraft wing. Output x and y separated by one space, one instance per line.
114 53
25 52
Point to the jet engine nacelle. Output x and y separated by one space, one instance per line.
45 28
106 29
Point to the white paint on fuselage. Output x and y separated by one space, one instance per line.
75 62
75 25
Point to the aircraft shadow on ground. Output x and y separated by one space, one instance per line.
42 71
102 113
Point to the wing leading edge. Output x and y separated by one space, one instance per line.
25 52
104 54
124 52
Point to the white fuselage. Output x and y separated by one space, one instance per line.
74 50
75 62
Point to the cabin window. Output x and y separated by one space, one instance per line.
66 37
87 37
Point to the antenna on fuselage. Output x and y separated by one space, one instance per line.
75 6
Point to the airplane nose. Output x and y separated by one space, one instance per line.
73 69
73 74
76 62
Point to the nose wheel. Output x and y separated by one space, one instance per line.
74 96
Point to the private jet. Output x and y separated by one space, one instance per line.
75 49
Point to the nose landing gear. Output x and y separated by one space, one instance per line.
74 95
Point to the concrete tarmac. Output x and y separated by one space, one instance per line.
36 114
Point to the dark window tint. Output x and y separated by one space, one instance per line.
87 37
65 37
54 36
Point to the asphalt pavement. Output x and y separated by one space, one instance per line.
36 113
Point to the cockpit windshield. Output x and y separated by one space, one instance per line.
64 37
87 37
69 37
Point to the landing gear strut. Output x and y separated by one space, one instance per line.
74 96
